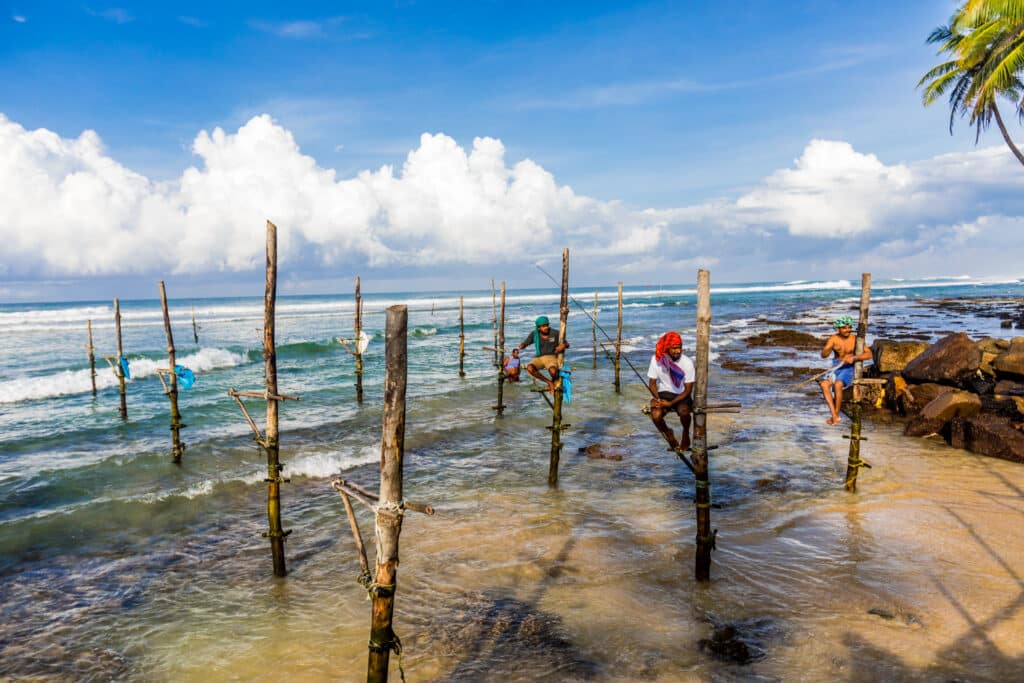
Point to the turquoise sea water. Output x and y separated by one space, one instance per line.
116 563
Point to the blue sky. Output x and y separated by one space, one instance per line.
673 109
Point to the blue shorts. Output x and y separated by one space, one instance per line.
842 374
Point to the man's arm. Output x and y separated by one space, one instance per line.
652 384
828 346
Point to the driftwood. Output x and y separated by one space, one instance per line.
853 462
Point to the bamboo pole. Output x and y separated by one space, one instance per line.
92 359
705 537
121 390
358 354
556 417
382 636
853 462
501 355
270 441
177 448
494 309
195 328
593 330
618 345
462 340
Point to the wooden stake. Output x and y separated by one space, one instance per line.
358 355
853 462
556 417
618 345
705 537
462 340
177 448
271 439
388 528
122 390
501 354
593 330
195 328
92 359
494 309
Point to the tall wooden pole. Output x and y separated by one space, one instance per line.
853 461
389 522
271 443
195 328
705 538
358 354
172 391
556 419
618 345
501 354
122 391
494 308
92 359
462 340
593 330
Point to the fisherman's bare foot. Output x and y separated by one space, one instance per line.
684 445
834 420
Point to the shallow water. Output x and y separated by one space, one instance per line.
118 565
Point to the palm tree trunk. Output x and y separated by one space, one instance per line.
1006 135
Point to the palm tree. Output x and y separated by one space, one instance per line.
986 40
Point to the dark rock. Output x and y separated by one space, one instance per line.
1006 387
1006 324
951 404
879 612
598 451
923 394
893 356
981 385
952 360
738 642
988 434
790 338
1007 406
922 426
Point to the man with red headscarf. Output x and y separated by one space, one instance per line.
670 376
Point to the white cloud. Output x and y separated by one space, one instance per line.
18 18
118 15
298 28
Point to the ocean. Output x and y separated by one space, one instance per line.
117 564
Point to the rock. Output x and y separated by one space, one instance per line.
993 345
988 435
1010 363
897 396
1006 324
1005 387
893 356
981 385
790 338
920 426
884 613
598 451
923 394
950 404
952 360
987 358
740 642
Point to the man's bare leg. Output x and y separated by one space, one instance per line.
826 390
534 372
658 418
838 387
683 411
556 380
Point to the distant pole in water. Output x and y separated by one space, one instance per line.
501 354
389 518
92 359
119 371
358 354
462 340
270 442
705 537
618 345
853 461
195 328
494 308
177 448
556 417
593 330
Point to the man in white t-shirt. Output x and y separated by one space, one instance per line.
670 376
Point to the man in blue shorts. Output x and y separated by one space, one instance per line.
841 345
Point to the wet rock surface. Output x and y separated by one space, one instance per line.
790 338
599 451
953 360
893 356
740 642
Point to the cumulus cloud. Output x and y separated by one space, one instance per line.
67 208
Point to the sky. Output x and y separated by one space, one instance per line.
431 145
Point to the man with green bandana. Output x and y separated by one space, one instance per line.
546 348
841 344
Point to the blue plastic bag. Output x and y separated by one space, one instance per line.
125 370
186 378
566 385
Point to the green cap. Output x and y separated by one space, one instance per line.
541 321
842 321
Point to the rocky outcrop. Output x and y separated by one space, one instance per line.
790 338
951 404
893 356
1011 361
953 360
989 435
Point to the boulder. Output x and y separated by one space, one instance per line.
1005 387
988 435
898 398
993 345
952 360
987 358
1010 363
893 356
950 404
920 426
923 394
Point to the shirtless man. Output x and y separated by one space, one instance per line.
545 352
840 344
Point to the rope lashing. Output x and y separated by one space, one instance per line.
393 644
857 463
710 538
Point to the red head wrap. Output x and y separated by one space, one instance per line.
667 341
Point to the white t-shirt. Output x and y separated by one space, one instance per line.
659 372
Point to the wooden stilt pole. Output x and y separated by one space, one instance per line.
271 440
618 345
593 330
358 355
195 328
388 528
177 448
462 340
122 390
556 418
853 462
705 537
92 359
501 355
494 308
